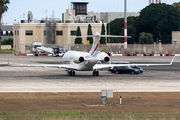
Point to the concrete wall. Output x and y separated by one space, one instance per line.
5 47
176 37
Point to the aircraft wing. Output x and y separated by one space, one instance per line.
49 50
65 66
101 66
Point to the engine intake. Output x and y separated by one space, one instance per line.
81 59
103 57
106 59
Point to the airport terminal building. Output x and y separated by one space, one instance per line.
56 32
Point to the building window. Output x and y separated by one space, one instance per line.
59 32
11 33
73 32
45 33
80 9
29 32
17 32
4 33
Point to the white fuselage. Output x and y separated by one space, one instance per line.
86 65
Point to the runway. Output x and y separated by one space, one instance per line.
34 79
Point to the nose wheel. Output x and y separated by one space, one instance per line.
95 73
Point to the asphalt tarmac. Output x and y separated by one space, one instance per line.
35 79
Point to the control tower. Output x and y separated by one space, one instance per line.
80 8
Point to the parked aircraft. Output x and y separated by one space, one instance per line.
39 49
84 61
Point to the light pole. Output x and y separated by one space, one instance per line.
109 32
125 26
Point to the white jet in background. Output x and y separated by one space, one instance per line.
84 61
39 49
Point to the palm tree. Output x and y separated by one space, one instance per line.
3 8
177 5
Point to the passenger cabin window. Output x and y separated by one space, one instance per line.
29 32
73 32
59 32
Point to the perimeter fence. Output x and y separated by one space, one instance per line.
113 48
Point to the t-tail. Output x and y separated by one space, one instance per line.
94 50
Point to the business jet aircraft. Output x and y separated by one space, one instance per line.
83 61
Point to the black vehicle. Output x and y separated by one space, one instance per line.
137 67
125 69
110 69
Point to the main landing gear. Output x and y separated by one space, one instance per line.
71 72
95 73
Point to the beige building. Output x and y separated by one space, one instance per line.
70 17
26 33
176 37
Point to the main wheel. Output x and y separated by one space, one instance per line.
94 73
132 72
97 73
70 73
73 73
117 72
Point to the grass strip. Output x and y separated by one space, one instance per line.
6 51
80 114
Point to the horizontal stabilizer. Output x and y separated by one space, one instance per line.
115 36
86 36
103 36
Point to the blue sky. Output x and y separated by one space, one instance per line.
39 7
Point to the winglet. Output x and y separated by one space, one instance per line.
172 60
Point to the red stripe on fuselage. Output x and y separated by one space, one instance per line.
95 49
87 56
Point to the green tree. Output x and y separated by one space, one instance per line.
103 39
7 42
89 32
131 30
159 20
177 5
3 8
145 38
118 29
78 40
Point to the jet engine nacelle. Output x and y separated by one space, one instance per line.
78 59
103 57
75 57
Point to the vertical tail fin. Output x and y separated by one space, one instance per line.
94 49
